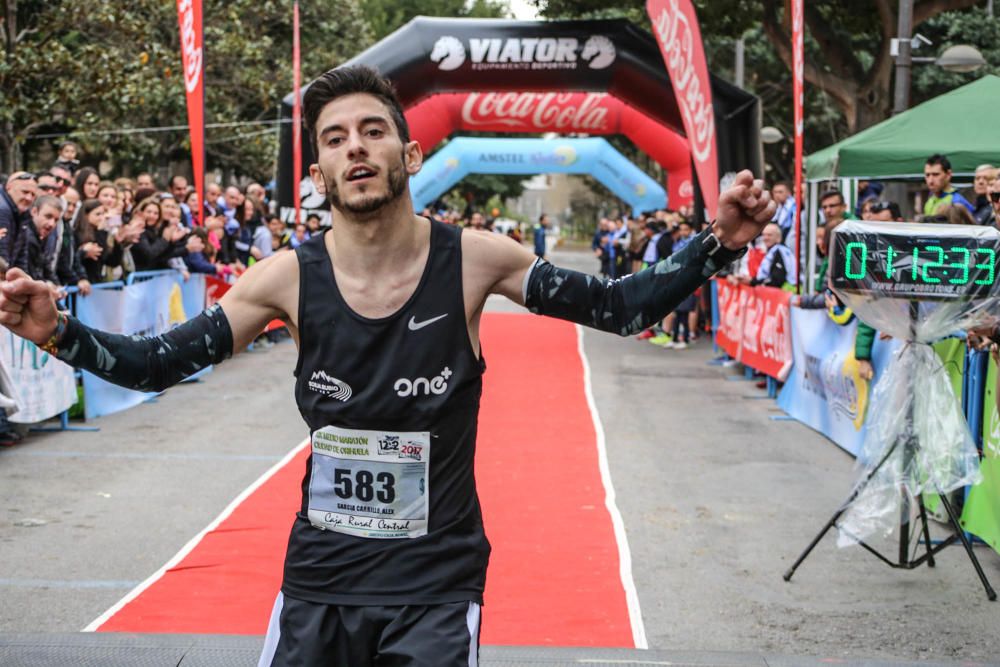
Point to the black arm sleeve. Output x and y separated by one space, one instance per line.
628 305
149 364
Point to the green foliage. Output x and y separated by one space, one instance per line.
972 27
83 68
386 16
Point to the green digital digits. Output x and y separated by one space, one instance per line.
932 265
847 261
963 266
989 264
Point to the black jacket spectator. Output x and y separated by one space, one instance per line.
153 252
31 256
665 245
111 255
12 220
69 269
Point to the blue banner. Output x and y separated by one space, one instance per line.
824 390
479 155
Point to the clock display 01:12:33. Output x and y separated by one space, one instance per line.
929 264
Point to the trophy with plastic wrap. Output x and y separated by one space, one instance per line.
917 283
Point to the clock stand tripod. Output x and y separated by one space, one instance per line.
906 560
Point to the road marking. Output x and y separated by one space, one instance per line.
187 548
624 554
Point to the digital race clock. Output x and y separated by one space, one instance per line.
915 261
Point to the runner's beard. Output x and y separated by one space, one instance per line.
395 187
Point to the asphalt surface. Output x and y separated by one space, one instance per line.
717 497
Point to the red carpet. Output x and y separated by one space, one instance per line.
553 578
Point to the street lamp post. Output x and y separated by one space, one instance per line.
901 99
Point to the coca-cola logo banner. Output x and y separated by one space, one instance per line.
675 27
592 113
755 327
481 155
522 53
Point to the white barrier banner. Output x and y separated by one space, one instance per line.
45 386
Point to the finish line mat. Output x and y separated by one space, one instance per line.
555 576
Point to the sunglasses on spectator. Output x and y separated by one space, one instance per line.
995 197
23 177
64 181
48 188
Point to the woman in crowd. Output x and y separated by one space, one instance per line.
159 242
192 209
101 249
87 183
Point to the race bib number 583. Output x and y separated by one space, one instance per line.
370 483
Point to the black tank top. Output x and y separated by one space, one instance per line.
383 380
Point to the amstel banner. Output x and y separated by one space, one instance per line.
192 56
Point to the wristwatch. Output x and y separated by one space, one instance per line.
712 246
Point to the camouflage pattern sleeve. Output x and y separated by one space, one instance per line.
149 363
627 305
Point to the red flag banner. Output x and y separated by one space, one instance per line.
675 26
189 19
296 117
798 66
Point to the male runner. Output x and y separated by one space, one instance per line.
386 561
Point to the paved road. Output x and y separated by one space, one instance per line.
717 499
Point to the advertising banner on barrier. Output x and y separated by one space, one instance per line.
45 386
767 336
824 389
729 333
754 327
981 514
142 308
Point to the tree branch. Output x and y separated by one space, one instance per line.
838 54
843 91
883 60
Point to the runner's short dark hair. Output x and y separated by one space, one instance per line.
348 81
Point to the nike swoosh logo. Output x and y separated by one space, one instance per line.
413 325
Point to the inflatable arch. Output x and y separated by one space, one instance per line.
438 116
481 155
428 56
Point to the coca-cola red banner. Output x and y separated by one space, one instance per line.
438 116
729 334
675 27
798 68
767 331
189 19
430 56
755 327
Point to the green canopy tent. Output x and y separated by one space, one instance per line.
957 124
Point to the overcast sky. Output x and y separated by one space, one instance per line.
524 10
